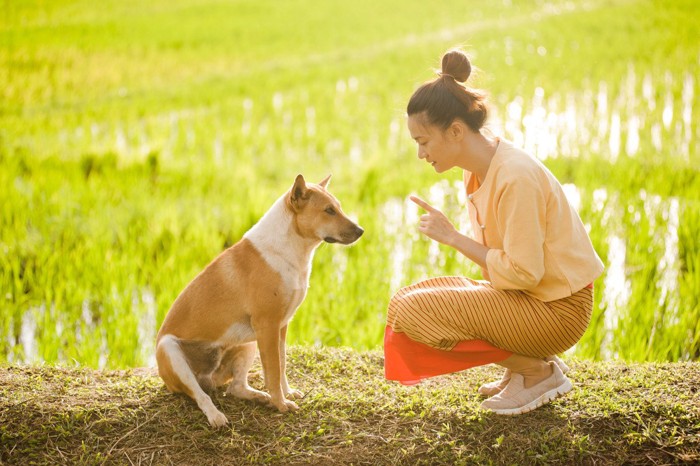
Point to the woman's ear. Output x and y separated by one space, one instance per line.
457 130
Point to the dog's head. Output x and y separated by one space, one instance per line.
317 214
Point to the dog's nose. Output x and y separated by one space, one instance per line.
358 231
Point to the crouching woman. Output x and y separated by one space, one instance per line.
535 254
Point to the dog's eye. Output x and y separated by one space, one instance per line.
330 210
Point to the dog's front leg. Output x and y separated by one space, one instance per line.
288 392
268 344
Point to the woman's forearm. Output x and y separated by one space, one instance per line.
473 250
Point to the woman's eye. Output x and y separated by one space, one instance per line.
330 211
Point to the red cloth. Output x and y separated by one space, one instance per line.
409 361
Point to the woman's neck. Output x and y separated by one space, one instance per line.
478 153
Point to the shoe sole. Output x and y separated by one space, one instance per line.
543 399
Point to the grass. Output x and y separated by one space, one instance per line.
138 140
644 413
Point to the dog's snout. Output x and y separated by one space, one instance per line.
349 236
355 233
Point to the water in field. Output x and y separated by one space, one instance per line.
596 121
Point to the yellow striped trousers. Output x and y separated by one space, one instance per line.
442 311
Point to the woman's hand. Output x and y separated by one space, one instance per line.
434 224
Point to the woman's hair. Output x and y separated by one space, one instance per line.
446 98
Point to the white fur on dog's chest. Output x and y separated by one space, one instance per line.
294 277
293 288
294 281
296 298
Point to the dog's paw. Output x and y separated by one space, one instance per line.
294 394
247 393
292 405
260 397
286 406
217 419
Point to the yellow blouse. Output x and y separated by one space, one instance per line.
537 241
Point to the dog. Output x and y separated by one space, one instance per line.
249 293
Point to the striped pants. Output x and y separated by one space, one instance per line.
443 313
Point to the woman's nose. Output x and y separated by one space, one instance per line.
421 154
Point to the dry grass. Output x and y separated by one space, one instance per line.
617 414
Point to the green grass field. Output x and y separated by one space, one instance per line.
139 139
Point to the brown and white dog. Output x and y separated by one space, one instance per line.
247 294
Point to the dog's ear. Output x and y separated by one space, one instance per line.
325 181
298 192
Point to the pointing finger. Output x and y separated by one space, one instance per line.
420 202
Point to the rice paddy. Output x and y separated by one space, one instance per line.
137 141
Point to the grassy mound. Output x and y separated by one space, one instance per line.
618 413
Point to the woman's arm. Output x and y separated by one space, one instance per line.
470 248
521 219
435 225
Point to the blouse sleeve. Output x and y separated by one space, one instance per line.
521 217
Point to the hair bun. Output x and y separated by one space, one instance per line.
456 64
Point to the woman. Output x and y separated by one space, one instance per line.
536 257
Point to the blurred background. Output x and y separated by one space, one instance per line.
140 139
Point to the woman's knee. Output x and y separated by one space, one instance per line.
404 307
406 298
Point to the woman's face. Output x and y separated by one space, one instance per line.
434 145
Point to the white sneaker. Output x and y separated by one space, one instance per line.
516 399
562 365
495 387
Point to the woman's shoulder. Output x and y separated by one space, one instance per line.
513 153
514 163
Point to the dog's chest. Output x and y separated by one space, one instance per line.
293 280
296 297
293 293
293 275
